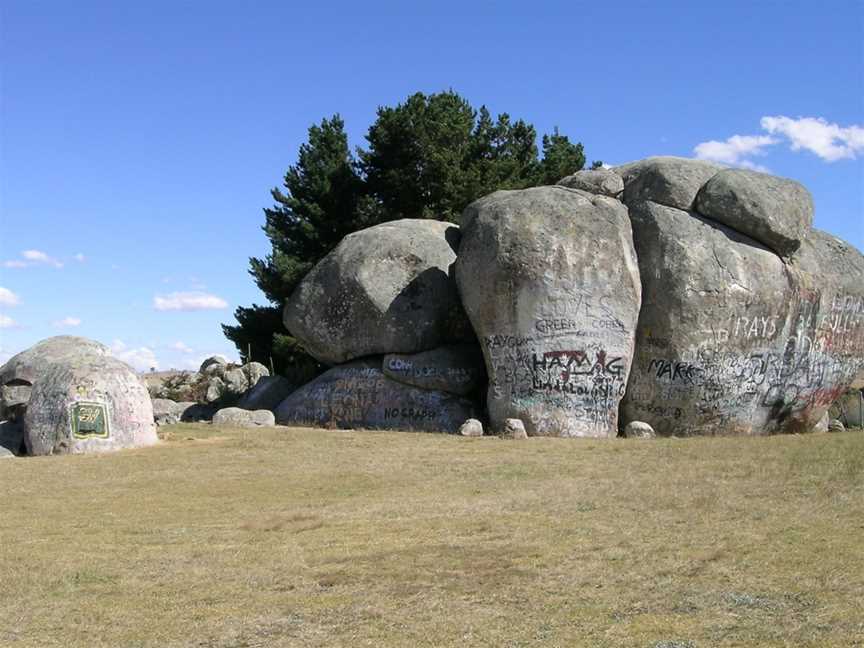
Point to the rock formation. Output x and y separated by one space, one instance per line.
734 338
549 280
697 298
80 399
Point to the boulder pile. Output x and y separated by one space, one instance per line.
692 298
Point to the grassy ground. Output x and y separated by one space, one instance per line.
290 537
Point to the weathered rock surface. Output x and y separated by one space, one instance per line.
733 341
385 289
88 403
714 302
359 395
823 353
835 425
27 365
457 369
267 393
237 381
638 430
5 453
670 181
549 280
598 181
777 212
169 412
236 417
514 429
471 428
215 390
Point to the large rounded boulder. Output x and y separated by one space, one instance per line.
20 372
88 403
715 302
734 339
550 282
385 289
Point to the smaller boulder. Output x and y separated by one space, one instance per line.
836 426
639 430
169 412
670 181
255 371
213 364
235 383
471 428
5 453
236 417
514 429
777 212
215 389
597 181
266 394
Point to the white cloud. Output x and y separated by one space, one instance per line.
80 258
8 298
141 358
829 141
68 322
188 301
31 258
182 347
7 322
735 149
37 256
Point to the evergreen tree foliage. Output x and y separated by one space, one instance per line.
427 157
560 158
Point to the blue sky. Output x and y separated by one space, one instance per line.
139 141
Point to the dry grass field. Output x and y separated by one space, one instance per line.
221 538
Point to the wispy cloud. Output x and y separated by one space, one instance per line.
33 258
80 258
188 301
829 141
735 149
182 347
141 358
38 256
8 298
68 322
7 322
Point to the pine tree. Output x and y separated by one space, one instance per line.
560 158
427 157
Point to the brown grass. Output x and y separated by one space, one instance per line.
222 538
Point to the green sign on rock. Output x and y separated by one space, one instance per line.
89 420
